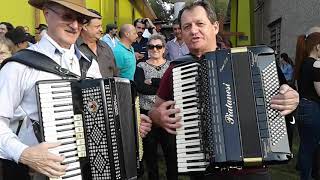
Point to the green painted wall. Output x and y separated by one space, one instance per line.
242 21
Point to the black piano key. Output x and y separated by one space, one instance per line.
60 86
189 133
68 142
64 118
61 91
72 169
196 160
69 162
193 146
68 150
65 137
62 104
71 175
66 129
63 110
62 97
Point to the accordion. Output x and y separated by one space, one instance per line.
227 120
96 122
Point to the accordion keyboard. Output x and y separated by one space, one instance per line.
58 123
190 155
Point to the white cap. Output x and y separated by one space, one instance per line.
313 30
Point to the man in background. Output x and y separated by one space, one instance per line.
111 35
176 47
90 44
124 52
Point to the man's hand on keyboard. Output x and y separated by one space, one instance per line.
40 159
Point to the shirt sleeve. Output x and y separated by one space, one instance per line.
12 90
165 90
142 87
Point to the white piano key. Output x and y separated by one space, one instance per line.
185 66
187 136
57 123
189 131
180 165
53 90
199 156
195 149
176 78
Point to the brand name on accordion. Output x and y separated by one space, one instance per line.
229 114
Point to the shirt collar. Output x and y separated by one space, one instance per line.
129 49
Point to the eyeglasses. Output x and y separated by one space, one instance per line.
68 17
158 46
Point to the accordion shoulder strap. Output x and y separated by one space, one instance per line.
40 62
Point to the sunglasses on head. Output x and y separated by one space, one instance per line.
68 17
158 46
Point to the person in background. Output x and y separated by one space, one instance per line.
140 45
19 38
111 35
286 66
90 44
31 39
40 31
147 78
6 48
176 47
124 52
5 27
307 74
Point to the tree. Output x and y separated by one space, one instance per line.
164 8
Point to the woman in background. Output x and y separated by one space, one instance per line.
307 74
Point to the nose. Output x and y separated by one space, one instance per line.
75 25
194 29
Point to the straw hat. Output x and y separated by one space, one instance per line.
75 5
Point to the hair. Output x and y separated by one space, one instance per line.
8 25
176 21
109 27
7 42
286 58
305 45
140 20
94 12
158 37
124 29
211 14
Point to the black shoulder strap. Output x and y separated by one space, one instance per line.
41 62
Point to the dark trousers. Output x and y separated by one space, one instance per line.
12 170
259 175
308 127
150 147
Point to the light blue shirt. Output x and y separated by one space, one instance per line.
112 42
174 50
17 90
287 71
125 60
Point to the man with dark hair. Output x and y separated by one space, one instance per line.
124 52
140 46
40 31
5 27
90 44
176 47
19 38
199 28
111 35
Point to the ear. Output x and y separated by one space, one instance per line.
85 27
318 47
216 27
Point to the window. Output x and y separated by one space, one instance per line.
275 36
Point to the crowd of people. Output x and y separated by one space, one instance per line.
141 53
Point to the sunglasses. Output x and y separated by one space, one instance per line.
68 17
158 46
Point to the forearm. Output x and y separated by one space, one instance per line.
10 145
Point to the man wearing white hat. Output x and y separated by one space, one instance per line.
65 19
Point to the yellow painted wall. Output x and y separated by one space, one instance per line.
17 12
20 13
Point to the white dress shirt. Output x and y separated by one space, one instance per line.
17 89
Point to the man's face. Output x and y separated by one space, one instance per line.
64 25
158 27
94 29
132 35
197 31
4 52
140 29
3 30
177 31
114 32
